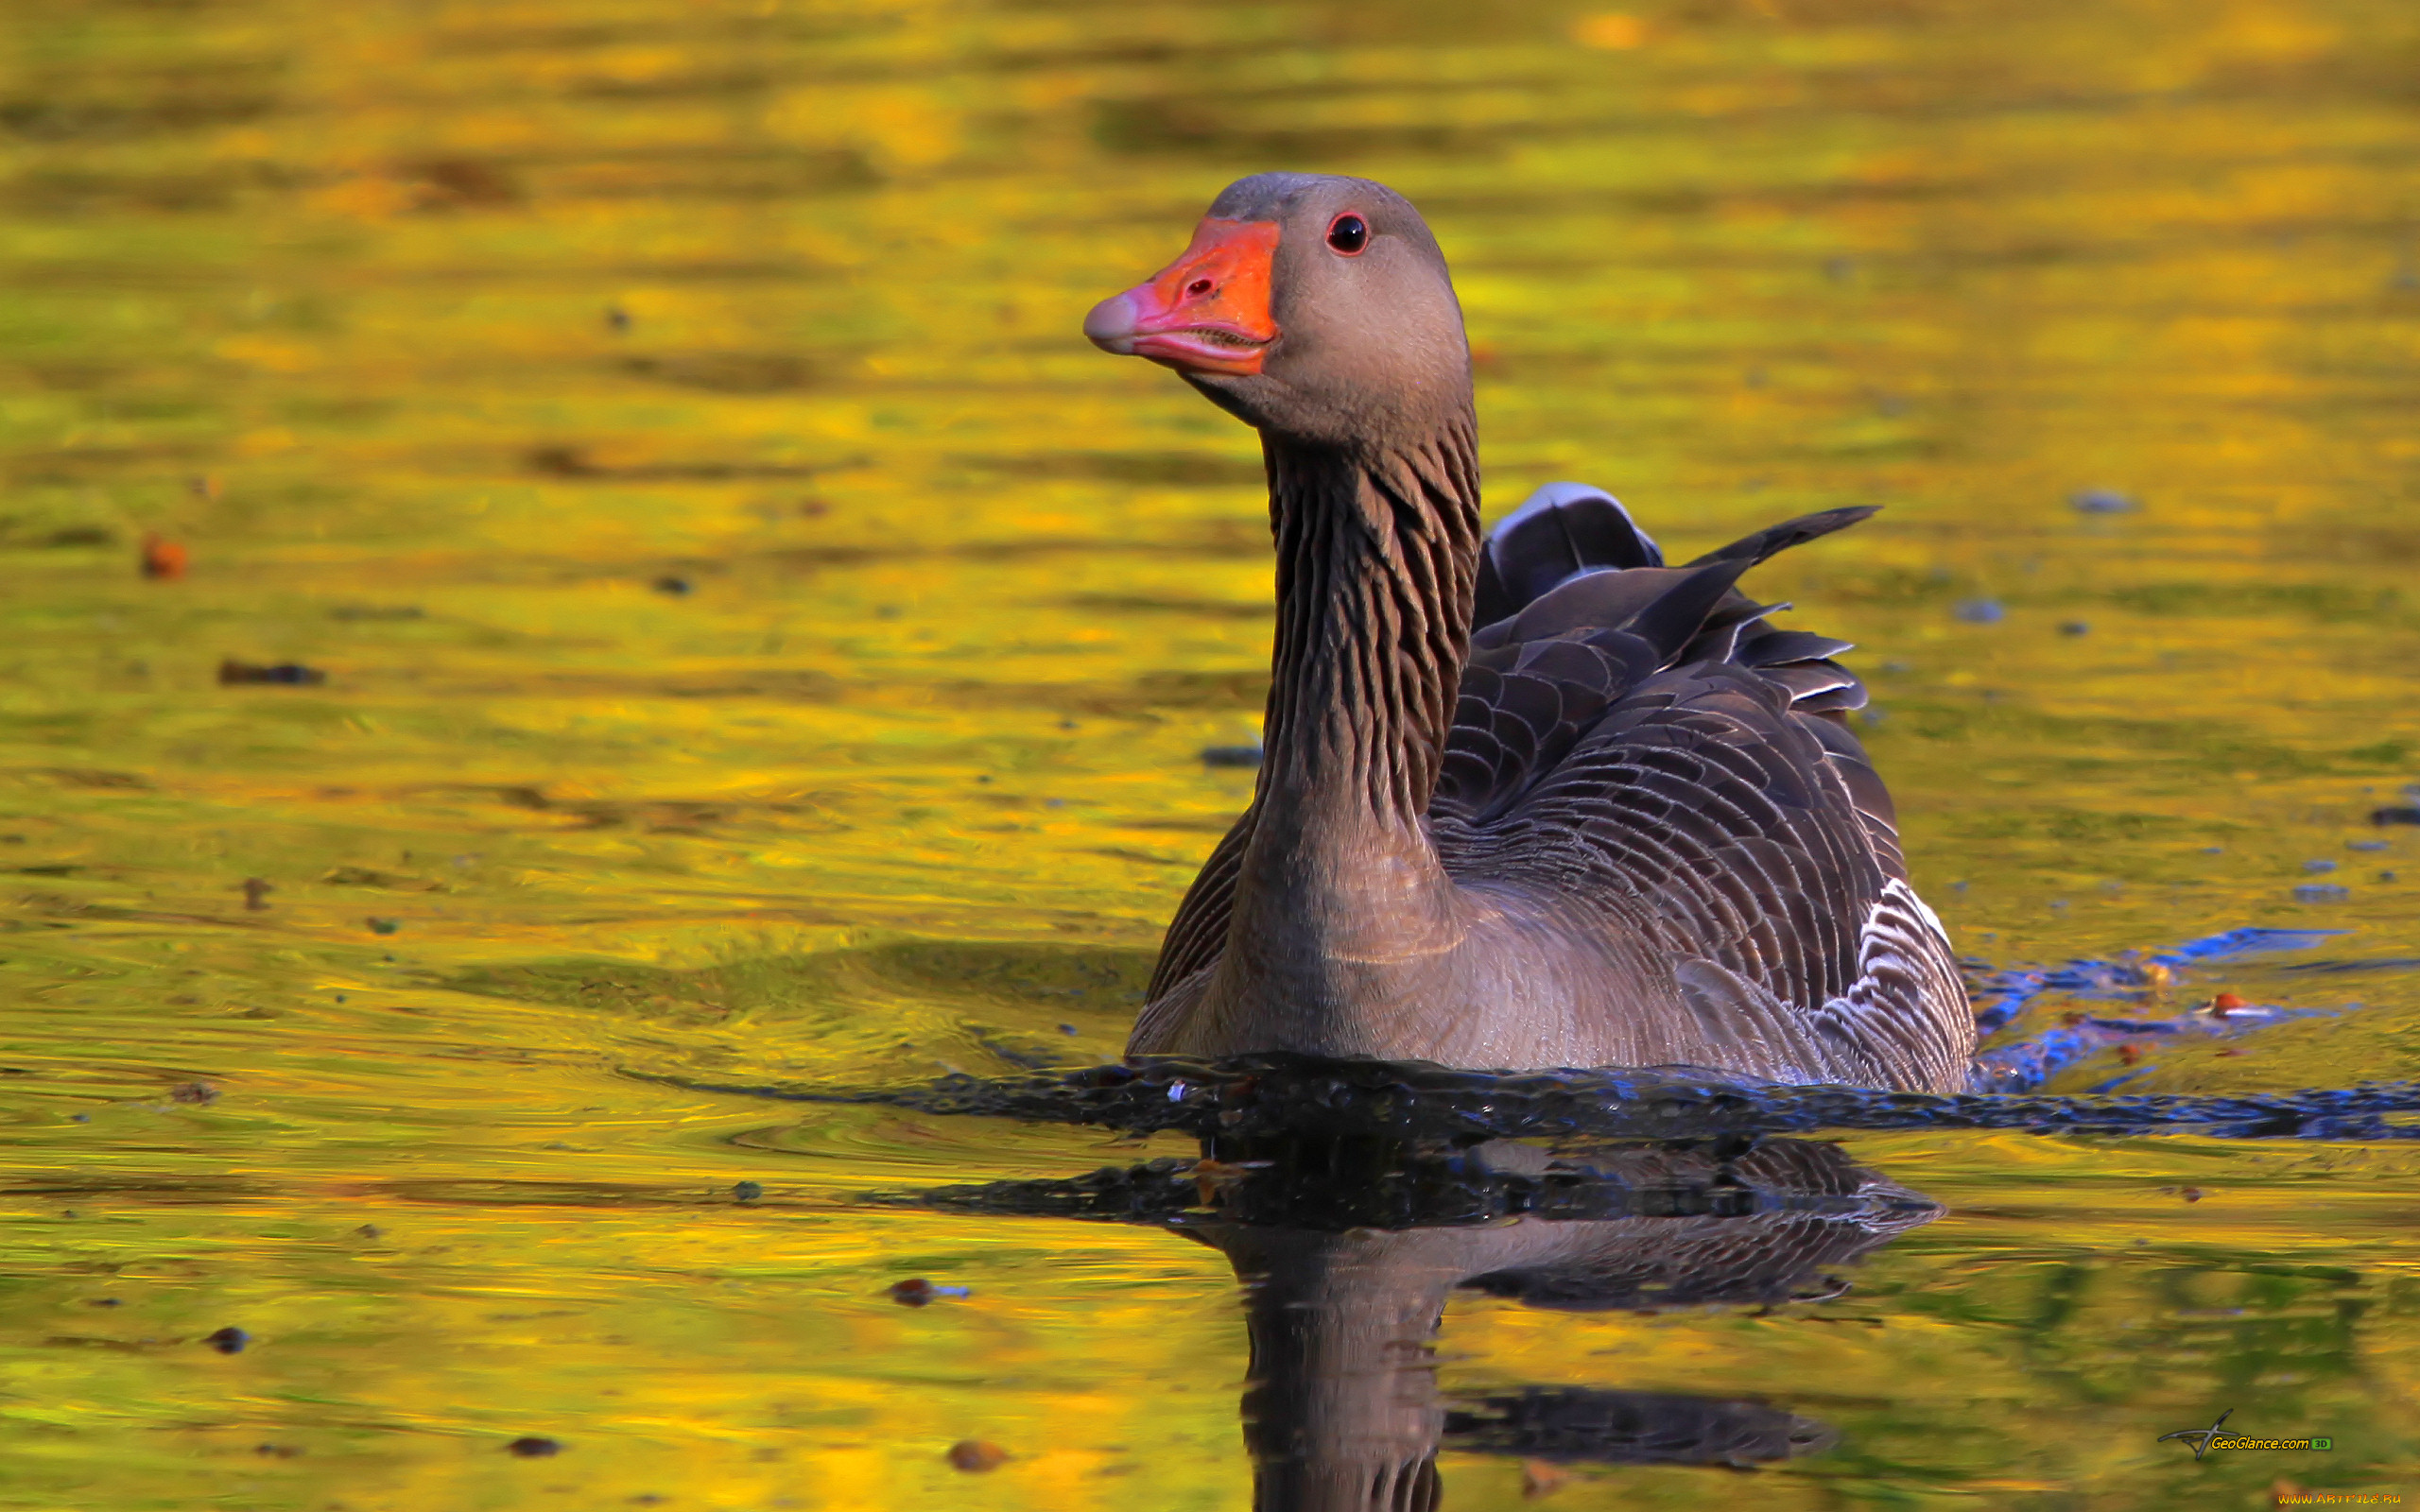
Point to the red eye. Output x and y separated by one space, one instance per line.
1348 233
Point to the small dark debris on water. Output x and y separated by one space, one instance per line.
375 612
369 1231
103 1302
1980 610
163 561
2102 501
617 318
672 584
532 1446
277 1451
229 1340
383 926
2074 628
290 673
918 1291
973 1455
2401 814
1230 755
449 183
2192 1194
256 891
561 461
746 1191
359 877
2129 1054
1068 1029
194 1091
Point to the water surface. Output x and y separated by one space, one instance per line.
764 644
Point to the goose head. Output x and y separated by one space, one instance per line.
1316 308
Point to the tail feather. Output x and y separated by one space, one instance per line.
1561 530
1568 530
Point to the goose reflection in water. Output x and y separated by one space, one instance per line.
1349 1249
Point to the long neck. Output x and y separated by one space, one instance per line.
1377 559
1340 894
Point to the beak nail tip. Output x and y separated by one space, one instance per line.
1111 324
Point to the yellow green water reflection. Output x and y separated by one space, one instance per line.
763 641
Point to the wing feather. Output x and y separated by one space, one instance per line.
1715 799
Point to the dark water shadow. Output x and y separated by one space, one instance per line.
1285 1095
1349 1249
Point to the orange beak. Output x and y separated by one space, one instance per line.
1207 311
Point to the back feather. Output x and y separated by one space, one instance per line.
1575 608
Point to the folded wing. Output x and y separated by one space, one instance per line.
1639 736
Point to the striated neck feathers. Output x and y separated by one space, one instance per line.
1377 557
1341 901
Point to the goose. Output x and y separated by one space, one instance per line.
1530 798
